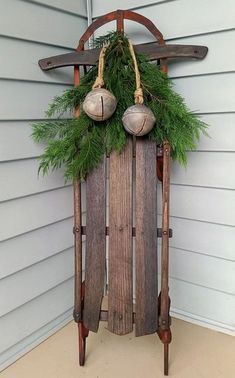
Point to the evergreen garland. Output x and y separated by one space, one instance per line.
78 144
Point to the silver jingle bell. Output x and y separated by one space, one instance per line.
138 120
99 104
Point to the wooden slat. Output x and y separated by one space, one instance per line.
120 286
95 246
146 238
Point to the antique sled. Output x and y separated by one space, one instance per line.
121 216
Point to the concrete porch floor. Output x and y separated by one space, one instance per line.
195 352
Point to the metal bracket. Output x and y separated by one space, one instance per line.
82 229
76 316
164 323
160 233
77 230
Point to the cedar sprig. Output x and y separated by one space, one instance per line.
78 144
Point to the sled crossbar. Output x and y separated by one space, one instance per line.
153 50
82 230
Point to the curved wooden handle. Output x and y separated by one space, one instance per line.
119 15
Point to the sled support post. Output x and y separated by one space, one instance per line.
164 300
83 332
77 253
77 314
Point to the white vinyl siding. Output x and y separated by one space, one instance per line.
202 252
36 213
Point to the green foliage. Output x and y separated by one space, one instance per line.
78 144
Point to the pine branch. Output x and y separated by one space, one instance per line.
90 152
47 130
78 144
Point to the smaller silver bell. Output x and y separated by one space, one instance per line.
138 120
99 104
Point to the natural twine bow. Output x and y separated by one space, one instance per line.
139 98
99 81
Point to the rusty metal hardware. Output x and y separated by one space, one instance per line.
82 230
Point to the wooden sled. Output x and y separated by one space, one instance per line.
121 217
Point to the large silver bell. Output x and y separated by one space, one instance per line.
99 104
138 120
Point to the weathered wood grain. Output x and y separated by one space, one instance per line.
146 238
120 286
152 49
95 246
